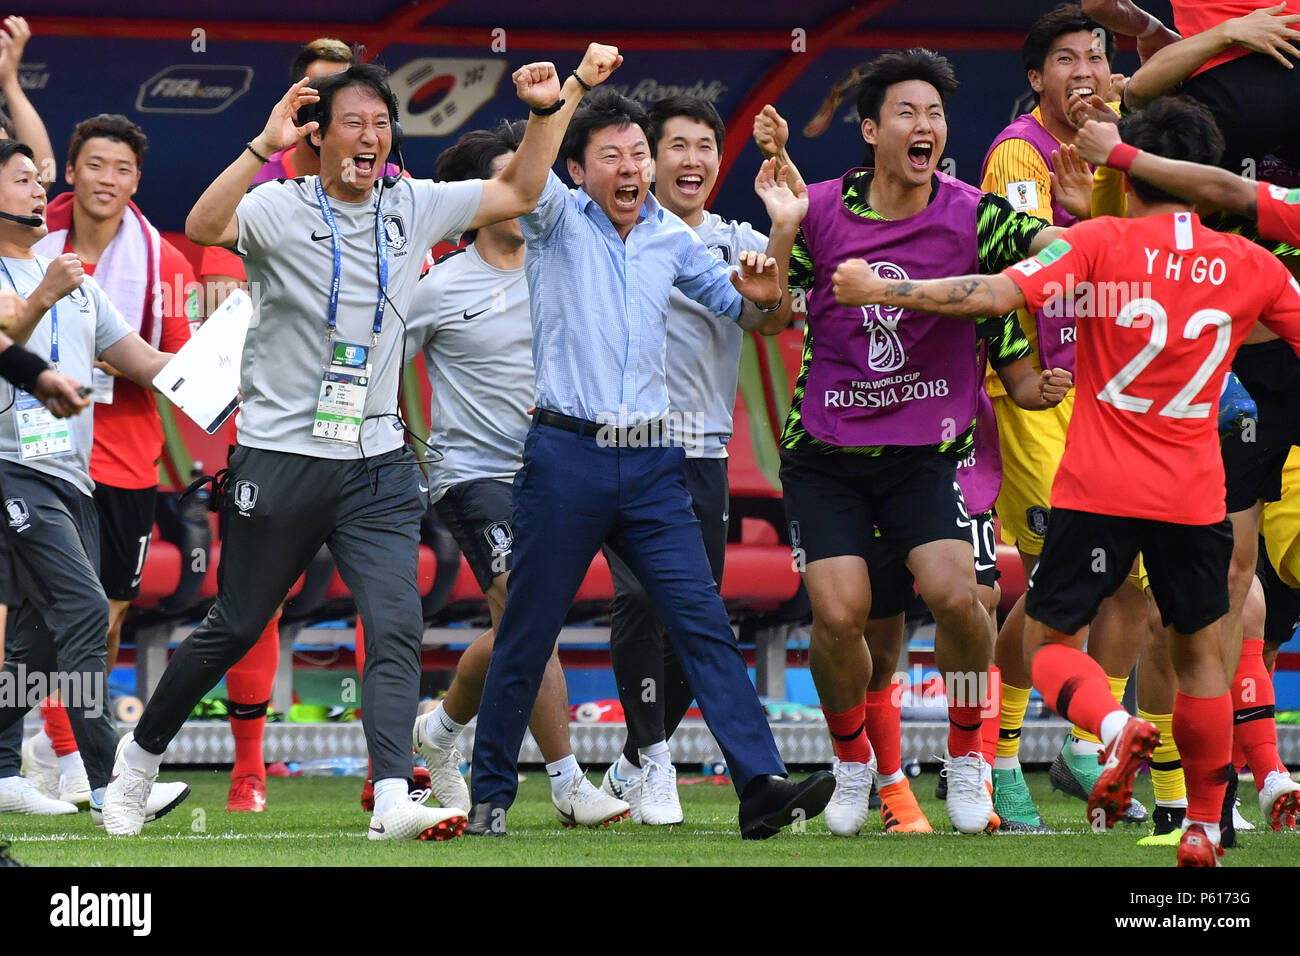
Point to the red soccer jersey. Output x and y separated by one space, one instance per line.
1162 305
1278 213
128 434
1196 16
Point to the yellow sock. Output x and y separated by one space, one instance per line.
1166 763
1015 701
1117 687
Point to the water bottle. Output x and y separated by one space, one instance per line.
334 767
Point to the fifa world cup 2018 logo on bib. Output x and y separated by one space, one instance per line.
885 349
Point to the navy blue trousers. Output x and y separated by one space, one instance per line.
570 497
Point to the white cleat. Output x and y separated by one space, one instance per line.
444 768
969 803
614 785
410 819
1279 798
582 805
21 795
653 795
163 799
75 788
126 798
41 764
849 808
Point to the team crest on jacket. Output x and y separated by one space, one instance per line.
395 230
1036 517
16 508
885 349
499 537
245 495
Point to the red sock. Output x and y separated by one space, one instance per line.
883 714
992 711
248 685
1255 730
58 728
964 730
1073 685
1203 729
849 734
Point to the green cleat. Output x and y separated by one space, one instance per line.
1076 774
1013 803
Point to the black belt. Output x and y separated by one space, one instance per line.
651 434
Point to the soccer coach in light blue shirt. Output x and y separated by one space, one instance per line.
601 261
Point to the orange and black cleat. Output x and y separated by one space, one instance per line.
900 811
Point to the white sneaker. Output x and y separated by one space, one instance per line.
21 795
444 768
163 799
41 764
848 810
126 797
969 804
75 788
1279 798
582 805
613 784
652 795
410 819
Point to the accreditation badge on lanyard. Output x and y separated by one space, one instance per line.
345 378
40 434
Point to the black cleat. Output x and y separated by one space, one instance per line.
772 802
5 858
1227 832
941 788
486 819
1168 819
873 801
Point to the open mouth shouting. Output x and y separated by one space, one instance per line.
626 198
690 184
364 163
920 154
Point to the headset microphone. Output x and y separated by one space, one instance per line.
32 221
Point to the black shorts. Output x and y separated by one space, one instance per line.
1254 100
836 502
892 583
477 513
1253 456
1086 557
126 518
1282 603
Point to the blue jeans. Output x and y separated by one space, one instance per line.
570 497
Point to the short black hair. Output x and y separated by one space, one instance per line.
11 147
371 76
112 126
1174 127
692 107
899 66
1047 29
324 48
600 108
472 155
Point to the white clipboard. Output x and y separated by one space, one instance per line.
202 380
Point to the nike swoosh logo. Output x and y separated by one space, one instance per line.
467 316
570 816
1244 715
316 238
378 829
423 490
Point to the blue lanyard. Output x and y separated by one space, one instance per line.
54 311
381 247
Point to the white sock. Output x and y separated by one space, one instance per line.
885 779
626 770
659 753
137 758
1211 829
561 773
43 743
1111 725
1006 763
1179 804
70 765
440 729
389 792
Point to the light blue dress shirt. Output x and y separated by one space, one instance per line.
600 305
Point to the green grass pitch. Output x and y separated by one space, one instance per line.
319 822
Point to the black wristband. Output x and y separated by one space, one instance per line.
581 81
21 368
249 146
547 111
